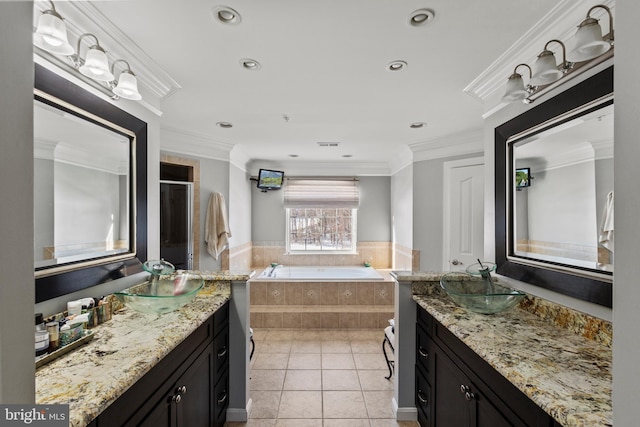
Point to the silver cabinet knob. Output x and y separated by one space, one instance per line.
182 389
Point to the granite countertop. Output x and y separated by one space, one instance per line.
565 374
125 348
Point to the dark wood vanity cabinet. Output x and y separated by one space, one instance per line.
189 387
456 387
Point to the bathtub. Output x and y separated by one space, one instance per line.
320 273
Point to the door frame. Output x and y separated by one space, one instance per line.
446 202
190 242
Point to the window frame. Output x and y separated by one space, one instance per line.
354 237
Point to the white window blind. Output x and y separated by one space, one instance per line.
321 193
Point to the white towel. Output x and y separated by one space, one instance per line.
606 225
216 227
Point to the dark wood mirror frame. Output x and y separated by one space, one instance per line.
65 282
581 287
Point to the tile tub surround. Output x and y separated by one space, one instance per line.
567 375
322 304
92 377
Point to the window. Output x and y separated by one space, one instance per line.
321 229
321 215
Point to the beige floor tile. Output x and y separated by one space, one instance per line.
306 346
374 380
368 346
340 380
370 361
274 346
334 335
259 334
379 404
346 423
283 422
267 379
366 334
304 361
343 404
300 404
338 361
265 404
271 361
303 380
280 335
310 335
336 346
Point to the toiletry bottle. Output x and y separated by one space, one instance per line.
54 335
42 336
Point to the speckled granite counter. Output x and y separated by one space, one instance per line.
567 375
92 377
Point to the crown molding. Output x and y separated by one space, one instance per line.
193 144
560 23
449 145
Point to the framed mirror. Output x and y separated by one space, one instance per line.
89 188
554 193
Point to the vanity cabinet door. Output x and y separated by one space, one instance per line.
195 387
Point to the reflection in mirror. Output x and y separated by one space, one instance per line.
562 187
81 188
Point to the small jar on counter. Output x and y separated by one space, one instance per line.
42 336
53 328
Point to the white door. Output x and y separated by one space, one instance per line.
463 231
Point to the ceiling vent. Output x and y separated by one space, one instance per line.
328 144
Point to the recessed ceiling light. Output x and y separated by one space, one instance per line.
226 15
250 64
347 155
293 155
224 125
417 125
396 66
421 17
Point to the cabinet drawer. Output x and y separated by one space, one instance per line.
221 396
221 350
425 320
423 398
423 349
221 319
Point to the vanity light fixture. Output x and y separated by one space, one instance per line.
127 86
51 33
589 40
516 89
95 64
590 49
545 70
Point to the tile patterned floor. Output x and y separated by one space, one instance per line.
320 378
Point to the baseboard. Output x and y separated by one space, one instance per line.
239 415
404 414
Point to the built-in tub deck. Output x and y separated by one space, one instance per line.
322 297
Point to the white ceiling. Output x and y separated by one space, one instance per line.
324 65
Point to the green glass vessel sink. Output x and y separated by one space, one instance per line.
162 294
479 295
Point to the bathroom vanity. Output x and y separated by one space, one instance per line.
141 369
537 364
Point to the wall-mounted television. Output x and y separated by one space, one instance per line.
523 177
270 179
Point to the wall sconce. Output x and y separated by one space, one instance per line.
589 45
51 36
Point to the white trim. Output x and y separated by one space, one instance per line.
404 414
458 144
446 201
